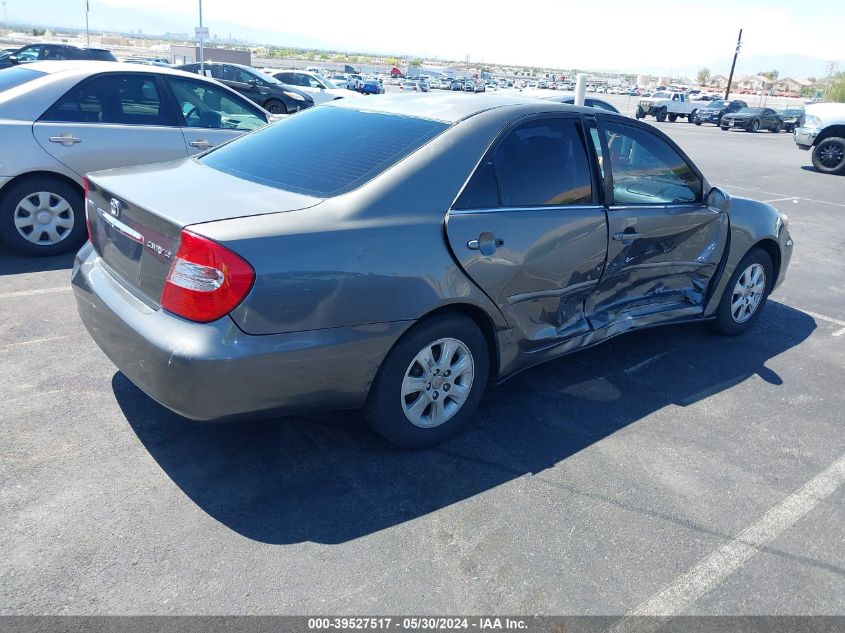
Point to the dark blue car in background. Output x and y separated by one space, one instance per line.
372 87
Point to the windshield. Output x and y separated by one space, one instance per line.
718 105
261 76
16 76
751 111
661 95
328 150
794 111
325 83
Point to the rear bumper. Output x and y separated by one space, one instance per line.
214 371
805 137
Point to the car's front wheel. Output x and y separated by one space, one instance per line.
755 126
746 293
776 129
274 106
42 216
431 382
829 155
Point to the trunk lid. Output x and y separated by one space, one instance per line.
136 215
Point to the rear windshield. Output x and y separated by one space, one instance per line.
16 76
324 151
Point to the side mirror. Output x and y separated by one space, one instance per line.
718 200
13 59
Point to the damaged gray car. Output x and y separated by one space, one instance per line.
398 255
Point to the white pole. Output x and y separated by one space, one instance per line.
202 66
580 89
87 34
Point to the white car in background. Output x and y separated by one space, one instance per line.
320 88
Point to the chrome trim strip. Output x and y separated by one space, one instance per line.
565 207
120 227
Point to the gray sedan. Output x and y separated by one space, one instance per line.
60 120
405 252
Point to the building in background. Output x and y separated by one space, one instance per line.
190 54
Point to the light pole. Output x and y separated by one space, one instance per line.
87 34
733 65
202 63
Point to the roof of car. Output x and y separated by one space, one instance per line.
92 67
449 108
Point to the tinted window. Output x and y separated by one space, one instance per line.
15 76
323 151
646 170
122 99
207 106
28 54
101 55
482 190
602 105
543 163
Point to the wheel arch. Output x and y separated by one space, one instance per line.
772 249
32 175
831 130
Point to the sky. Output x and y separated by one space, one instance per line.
594 34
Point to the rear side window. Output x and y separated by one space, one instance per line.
101 55
544 163
118 99
17 76
323 151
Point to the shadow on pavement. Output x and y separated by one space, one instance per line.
326 478
816 171
11 264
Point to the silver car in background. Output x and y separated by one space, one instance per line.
60 120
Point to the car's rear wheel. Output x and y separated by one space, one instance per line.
673 117
746 293
698 122
829 155
691 117
431 382
42 216
776 128
274 106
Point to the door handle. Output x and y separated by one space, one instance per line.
487 243
625 236
65 139
201 144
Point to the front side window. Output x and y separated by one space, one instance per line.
28 54
119 99
647 170
207 106
544 163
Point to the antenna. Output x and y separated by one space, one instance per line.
5 13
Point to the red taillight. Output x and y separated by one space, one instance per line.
206 280
85 209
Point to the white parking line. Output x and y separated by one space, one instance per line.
829 320
30 293
785 196
35 341
646 362
721 563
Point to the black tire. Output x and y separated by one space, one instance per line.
673 117
829 155
776 128
640 113
661 115
691 116
698 122
384 410
71 238
725 322
755 126
725 128
274 106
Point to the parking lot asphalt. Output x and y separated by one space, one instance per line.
667 471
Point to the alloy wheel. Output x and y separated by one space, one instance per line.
832 155
44 218
437 382
748 293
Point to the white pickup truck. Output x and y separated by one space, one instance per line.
663 105
824 132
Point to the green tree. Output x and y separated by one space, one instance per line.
837 88
416 62
38 32
771 75
703 76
